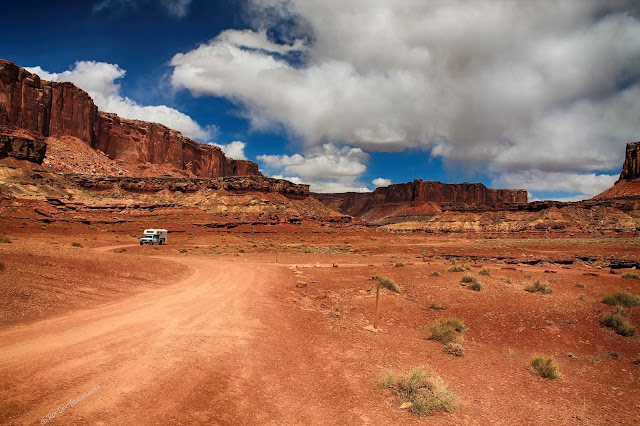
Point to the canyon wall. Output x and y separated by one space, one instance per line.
631 166
357 204
62 109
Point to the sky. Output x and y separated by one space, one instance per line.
348 95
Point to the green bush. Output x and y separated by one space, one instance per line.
399 264
435 274
617 321
485 271
538 287
631 276
622 298
446 331
468 278
545 366
422 388
4 239
75 244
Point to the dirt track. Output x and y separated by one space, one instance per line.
179 353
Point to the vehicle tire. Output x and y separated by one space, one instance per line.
140 242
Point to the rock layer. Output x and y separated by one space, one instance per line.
22 148
237 184
62 109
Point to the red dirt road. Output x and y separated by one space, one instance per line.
217 348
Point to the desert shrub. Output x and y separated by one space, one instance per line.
399 264
622 298
545 366
505 280
182 250
388 283
485 271
435 274
422 388
468 278
631 276
438 307
446 331
455 349
580 285
459 267
4 239
241 251
76 244
617 321
475 286
538 287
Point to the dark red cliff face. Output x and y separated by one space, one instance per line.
631 166
358 204
62 109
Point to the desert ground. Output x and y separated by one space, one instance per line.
272 325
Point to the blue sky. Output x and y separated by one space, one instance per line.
341 94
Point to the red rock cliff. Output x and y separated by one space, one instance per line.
62 109
631 166
356 204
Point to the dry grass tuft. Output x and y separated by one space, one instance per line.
446 331
539 287
545 366
622 298
388 283
617 321
455 349
631 276
422 388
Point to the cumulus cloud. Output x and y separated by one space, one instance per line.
586 184
381 182
326 169
503 86
99 79
176 8
234 150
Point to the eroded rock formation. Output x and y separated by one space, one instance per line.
62 109
22 148
631 166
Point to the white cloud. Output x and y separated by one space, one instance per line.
586 184
99 79
381 182
326 169
176 8
503 86
234 150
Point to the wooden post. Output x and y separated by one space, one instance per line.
375 318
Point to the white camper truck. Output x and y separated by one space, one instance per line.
154 236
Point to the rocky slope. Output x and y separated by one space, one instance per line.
51 109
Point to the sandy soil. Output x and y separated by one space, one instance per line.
225 335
